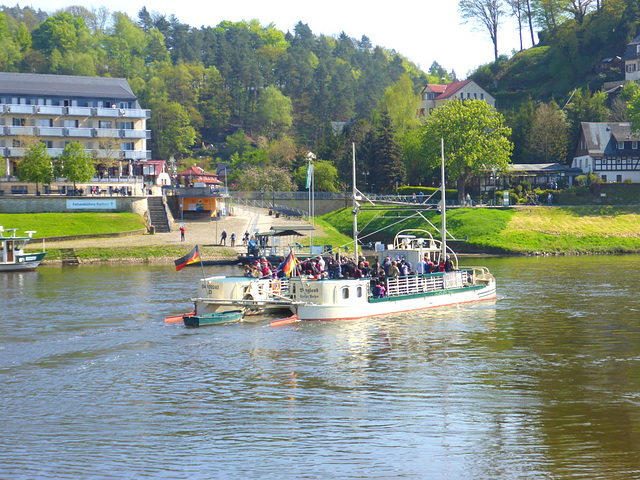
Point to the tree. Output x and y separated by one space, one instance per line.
547 139
486 13
270 178
76 164
273 112
385 157
475 140
401 103
172 130
325 176
36 166
518 11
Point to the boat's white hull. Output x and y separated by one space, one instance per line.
386 306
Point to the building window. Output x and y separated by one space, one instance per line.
17 143
620 145
47 143
126 146
345 292
618 178
634 145
19 122
45 122
107 124
129 125
631 67
481 98
604 178
71 123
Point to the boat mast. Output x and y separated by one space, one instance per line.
444 210
355 207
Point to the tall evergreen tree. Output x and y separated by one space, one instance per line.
385 158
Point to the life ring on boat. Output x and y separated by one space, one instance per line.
275 287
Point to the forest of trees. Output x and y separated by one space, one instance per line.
259 99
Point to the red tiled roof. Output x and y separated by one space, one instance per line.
452 88
438 88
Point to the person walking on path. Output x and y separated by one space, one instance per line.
182 233
233 239
223 238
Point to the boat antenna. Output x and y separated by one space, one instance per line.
444 210
356 205
201 264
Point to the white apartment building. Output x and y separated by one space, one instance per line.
101 113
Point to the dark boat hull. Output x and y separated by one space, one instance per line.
213 318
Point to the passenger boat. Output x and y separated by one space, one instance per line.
212 318
310 298
12 255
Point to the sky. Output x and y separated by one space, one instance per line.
424 32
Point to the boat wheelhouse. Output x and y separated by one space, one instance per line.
12 254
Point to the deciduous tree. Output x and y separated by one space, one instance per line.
487 14
547 139
475 140
76 164
36 166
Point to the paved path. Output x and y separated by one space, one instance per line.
202 232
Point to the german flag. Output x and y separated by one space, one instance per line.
192 257
290 264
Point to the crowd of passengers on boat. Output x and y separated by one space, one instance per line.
344 267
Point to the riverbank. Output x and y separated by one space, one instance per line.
159 248
484 231
523 230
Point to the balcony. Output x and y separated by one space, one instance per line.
51 131
23 109
11 130
135 113
127 133
80 132
16 151
107 132
49 110
108 112
2 129
55 152
136 154
79 111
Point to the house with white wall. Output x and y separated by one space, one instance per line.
610 150
434 96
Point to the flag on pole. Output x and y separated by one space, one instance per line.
192 257
290 264
309 174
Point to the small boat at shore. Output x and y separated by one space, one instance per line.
12 255
218 318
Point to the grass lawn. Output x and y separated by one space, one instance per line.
69 224
514 230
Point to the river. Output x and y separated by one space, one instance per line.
544 382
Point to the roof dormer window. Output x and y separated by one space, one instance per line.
620 145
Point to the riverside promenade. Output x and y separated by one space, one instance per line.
205 233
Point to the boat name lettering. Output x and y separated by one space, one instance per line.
30 259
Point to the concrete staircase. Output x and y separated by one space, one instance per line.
158 214
68 257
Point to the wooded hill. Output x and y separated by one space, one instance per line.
260 100
566 56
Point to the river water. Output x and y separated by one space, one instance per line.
542 383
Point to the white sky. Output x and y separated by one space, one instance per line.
421 31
